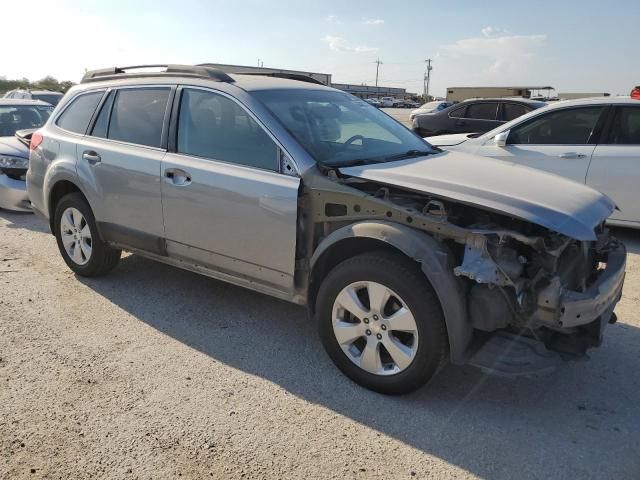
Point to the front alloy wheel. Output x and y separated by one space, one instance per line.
381 323
375 328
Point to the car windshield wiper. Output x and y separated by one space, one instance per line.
409 154
354 163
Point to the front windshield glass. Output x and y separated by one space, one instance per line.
18 117
431 105
338 129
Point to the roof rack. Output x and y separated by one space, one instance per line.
175 70
289 76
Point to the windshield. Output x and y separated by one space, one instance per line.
431 105
52 98
338 129
18 117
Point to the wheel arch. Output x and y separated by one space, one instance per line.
435 259
58 190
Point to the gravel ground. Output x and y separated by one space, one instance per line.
154 372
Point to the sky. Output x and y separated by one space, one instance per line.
574 46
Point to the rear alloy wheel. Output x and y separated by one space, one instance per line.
381 322
78 239
76 236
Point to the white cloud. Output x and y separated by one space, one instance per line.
504 52
333 19
373 21
339 44
490 31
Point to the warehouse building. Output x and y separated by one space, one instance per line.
459 94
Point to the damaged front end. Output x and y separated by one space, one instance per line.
512 273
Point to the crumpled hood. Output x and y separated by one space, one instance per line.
448 140
553 202
14 147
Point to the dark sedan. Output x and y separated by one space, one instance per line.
473 116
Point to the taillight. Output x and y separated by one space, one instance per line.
635 93
36 140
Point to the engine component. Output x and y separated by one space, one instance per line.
489 309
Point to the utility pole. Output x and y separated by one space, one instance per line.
427 79
378 63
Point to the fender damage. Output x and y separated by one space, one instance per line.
555 279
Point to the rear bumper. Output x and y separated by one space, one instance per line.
13 194
598 302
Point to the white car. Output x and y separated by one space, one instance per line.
389 101
592 141
430 107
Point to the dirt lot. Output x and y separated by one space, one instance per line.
154 372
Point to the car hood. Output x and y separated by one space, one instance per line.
553 202
449 140
14 147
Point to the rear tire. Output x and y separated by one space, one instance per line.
78 238
417 354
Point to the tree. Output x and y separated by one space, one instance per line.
46 83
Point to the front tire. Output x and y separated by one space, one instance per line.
78 239
381 322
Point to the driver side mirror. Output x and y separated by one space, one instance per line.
500 140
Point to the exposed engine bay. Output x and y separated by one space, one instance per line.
516 275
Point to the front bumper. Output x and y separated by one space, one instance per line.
598 302
13 194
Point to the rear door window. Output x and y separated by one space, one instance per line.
138 115
569 126
513 110
76 116
458 112
625 129
482 111
101 126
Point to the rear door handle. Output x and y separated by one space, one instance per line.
91 156
572 155
177 176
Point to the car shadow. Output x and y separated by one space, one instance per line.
549 425
24 220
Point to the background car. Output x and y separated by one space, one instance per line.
430 107
592 141
373 101
389 102
17 115
48 96
476 116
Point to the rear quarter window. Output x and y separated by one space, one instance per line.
77 115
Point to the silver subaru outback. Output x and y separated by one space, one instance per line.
405 255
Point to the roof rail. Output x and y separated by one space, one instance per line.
175 70
289 76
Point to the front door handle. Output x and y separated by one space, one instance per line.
177 176
91 156
572 155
